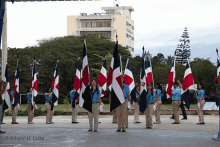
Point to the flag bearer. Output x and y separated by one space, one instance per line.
136 105
176 96
30 107
126 93
48 99
158 102
14 110
96 102
121 110
201 103
76 109
150 99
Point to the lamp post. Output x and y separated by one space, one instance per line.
217 136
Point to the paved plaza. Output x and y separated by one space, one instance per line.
63 133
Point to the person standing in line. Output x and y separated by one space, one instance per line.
158 102
76 109
201 103
126 93
218 92
14 110
136 105
2 90
48 99
176 96
29 103
96 102
121 110
150 99
114 117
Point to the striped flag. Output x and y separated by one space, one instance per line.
149 74
85 96
77 83
188 82
34 83
55 87
218 70
6 95
170 81
16 87
117 97
128 76
102 80
110 75
143 90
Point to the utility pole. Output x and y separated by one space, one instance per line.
4 42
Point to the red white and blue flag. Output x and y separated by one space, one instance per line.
34 83
117 97
218 70
188 82
55 87
6 95
77 83
16 87
149 74
110 75
85 96
102 79
128 76
143 90
170 81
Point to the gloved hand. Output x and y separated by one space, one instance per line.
129 106
154 107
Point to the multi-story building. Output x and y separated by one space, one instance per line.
105 25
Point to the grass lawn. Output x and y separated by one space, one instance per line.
106 107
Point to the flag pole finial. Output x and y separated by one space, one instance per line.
143 49
217 52
116 36
58 58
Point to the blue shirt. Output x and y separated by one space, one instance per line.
72 94
176 94
48 97
137 98
158 92
201 92
29 97
125 90
96 95
180 86
150 98
12 95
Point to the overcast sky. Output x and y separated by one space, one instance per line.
158 24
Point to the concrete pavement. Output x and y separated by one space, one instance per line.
63 133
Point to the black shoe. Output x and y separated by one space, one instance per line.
74 122
2 123
149 127
14 123
137 122
115 122
123 131
95 131
183 118
176 123
1 132
171 117
89 130
99 122
118 131
202 123
126 127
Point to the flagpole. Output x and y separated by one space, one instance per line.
217 136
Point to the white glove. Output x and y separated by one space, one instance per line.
154 107
101 107
129 105
198 105
18 105
184 103
35 106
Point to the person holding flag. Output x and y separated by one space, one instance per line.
30 106
96 102
176 96
3 85
135 96
48 99
14 110
74 104
158 102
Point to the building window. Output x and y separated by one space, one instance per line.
132 49
127 35
83 24
86 24
133 38
132 27
103 24
127 24
127 47
100 34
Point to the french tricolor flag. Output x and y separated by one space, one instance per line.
85 96
170 81
55 87
117 97
149 74
218 70
6 95
143 90
187 84
110 75
16 86
102 79
34 83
